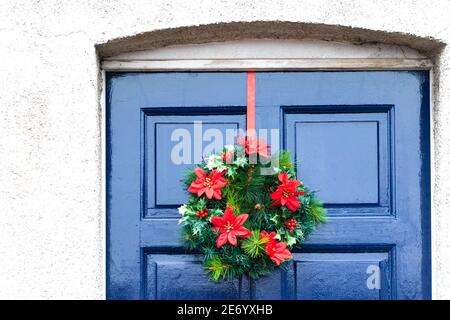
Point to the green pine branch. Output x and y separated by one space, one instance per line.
254 246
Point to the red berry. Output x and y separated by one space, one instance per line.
202 214
291 224
228 156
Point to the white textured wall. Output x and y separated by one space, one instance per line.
51 216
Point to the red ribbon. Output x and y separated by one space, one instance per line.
251 115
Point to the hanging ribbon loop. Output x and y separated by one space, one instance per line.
251 112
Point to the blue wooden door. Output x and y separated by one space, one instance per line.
361 140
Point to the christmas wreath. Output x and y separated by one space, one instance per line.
244 215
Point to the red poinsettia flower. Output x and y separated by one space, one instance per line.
228 156
286 193
230 227
276 250
255 146
209 185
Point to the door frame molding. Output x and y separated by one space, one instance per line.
266 55
304 64
273 55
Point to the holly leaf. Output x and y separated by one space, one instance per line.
201 205
214 161
241 161
290 240
231 171
198 227
215 212
275 219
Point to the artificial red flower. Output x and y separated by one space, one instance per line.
276 250
286 193
230 227
228 156
291 224
202 214
255 146
209 185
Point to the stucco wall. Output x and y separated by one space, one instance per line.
51 202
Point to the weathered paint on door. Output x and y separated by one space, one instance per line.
361 140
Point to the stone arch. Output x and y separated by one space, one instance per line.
264 30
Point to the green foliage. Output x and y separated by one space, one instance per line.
285 163
189 177
317 211
254 246
247 191
217 269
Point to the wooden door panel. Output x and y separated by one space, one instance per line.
343 276
181 276
166 132
352 147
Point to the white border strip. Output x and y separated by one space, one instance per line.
104 261
433 220
267 64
